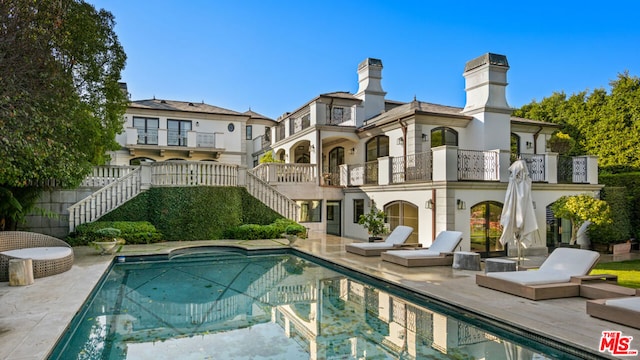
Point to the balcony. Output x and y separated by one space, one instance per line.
164 139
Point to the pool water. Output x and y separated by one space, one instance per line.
227 305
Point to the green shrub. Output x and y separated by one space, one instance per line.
270 231
297 230
631 181
133 232
619 229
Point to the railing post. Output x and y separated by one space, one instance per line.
242 176
551 160
504 161
384 170
145 176
445 163
592 169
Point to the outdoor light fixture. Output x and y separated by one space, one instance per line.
400 141
460 204
352 151
429 204
312 148
425 137
529 145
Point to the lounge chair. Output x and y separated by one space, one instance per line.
624 311
439 253
559 276
395 240
49 255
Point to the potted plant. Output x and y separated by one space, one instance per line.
294 231
373 221
107 240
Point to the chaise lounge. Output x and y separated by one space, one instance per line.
559 276
49 255
396 239
624 311
438 254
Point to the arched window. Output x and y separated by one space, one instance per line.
138 160
444 136
515 147
377 147
403 213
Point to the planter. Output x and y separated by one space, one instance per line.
374 238
623 248
105 246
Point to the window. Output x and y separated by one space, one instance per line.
249 134
377 147
177 132
147 130
358 209
310 210
444 136
515 147
267 134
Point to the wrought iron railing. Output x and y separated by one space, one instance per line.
536 166
371 172
412 167
572 169
478 165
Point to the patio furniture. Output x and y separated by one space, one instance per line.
395 240
499 265
49 255
559 276
466 260
439 253
624 310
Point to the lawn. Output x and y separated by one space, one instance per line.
628 272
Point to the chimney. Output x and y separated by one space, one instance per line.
370 87
124 89
485 84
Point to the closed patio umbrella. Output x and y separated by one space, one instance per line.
518 218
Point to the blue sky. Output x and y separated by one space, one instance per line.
274 56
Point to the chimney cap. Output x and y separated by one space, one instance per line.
488 58
370 62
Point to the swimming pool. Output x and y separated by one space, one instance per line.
225 304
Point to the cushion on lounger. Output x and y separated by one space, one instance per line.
40 253
629 303
411 254
399 235
446 241
374 245
533 277
570 262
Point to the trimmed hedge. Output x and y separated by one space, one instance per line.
195 213
631 181
620 229
270 231
133 232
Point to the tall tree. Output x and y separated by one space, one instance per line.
61 104
601 123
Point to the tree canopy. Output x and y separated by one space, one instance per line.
61 103
603 124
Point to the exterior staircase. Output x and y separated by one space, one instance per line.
121 184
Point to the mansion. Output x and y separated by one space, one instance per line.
429 166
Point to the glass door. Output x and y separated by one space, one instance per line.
333 218
486 229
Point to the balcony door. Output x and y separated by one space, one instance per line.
486 229
147 130
336 158
177 132
333 217
403 213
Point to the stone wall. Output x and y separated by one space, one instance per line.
55 202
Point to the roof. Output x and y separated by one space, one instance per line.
173 105
488 58
255 115
532 122
340 95
421 107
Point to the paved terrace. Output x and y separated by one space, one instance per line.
33 317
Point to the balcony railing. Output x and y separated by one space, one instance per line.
478 165
536 165
572 170
413 167
286 173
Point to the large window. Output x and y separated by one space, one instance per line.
249 134
515 147
177 132
358 209
377 147
147 130
310 210
403 213
444 136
